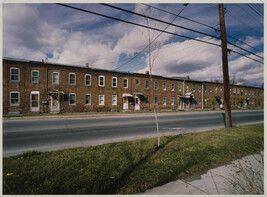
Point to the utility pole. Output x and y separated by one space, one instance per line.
228 117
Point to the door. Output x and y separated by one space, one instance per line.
35 98
137 103
54 104
125 103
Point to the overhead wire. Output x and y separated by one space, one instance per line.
156 29
203 24
150 42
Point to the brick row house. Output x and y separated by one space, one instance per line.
39 87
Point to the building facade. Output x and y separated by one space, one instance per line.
39 87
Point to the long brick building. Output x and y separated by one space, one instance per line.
39 87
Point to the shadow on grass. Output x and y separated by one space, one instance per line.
115 187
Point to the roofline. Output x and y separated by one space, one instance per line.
121 72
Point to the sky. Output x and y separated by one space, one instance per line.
59 34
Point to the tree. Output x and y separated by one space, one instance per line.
212 101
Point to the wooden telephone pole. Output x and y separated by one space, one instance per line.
227 105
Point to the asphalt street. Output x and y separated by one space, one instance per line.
51 134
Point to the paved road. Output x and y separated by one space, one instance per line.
24 135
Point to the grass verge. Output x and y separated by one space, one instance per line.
127 167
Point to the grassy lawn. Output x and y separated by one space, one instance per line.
127 167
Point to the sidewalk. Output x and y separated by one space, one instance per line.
108 114
242 176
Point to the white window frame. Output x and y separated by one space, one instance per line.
114 98
12 74
101 85
37 76
147 100
137 84
87 75
14 92
85 99
164 101
99 101
193 87
57 82
155 100
180 87
70 94
164 86
173 87
72 84
146 84
112 82
156 87
172 100
125 79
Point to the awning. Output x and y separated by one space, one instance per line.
55 92
187 95
126 95
138 93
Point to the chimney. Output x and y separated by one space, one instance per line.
147 72
187 77
87 65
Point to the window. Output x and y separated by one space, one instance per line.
101 80
199 101
14 98
173 87
72 100
234 91
114 99
72 79
14 74
193 87
87 99
221 90
156 86
87 80
210 89
230 91
125 83
146 84
180 87
205 88
199 88
172 100
146 100
55 78
155 100
164 86
137 83
187 88
241 91
114 82
101 99
245 92
35 76
238 91
164 102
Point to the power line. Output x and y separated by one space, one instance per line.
151 42
132 23
158 20
250 15
254 10
115 7
215 29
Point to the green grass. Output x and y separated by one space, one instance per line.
127 167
